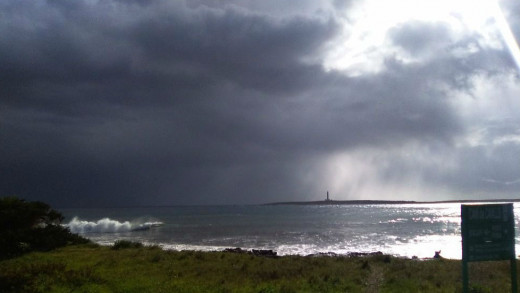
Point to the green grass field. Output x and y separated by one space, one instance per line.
90 268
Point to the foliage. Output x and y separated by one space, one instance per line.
122 244
28 226
101 269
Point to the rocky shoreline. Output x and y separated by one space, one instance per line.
272 253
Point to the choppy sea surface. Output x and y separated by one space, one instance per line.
399 229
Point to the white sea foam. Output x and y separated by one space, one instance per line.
107 225
182 247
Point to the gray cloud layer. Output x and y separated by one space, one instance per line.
133 102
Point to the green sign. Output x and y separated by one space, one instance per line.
488 233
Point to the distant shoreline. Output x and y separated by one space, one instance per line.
389 202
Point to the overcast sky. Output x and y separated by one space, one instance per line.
112 102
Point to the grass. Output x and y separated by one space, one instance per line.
135 268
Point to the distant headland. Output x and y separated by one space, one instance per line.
377 202
329 201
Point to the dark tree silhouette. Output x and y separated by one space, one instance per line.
31 226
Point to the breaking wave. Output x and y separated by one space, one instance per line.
107 225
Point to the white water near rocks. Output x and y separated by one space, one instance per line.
399 229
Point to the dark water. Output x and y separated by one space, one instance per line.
404 230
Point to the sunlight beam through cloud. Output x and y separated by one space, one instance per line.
507 34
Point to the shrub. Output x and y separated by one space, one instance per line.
31 226
123 244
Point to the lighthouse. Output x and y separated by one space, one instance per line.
327 196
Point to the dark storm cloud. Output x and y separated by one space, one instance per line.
114 100
137 102
117 53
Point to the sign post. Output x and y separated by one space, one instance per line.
488 233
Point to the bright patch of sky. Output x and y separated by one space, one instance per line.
363 45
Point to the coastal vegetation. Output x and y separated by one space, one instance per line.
138 268
38 254
31 226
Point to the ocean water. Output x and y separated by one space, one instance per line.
403 230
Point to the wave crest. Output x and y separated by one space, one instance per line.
107 225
